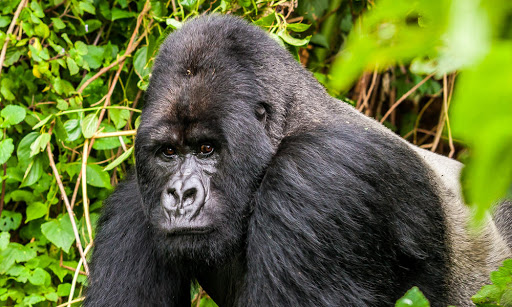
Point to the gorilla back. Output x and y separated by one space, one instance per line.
251 179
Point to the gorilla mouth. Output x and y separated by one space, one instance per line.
190 231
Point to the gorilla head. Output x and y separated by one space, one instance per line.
195 175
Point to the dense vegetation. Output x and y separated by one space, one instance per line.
73 74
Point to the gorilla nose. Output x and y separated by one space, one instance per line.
183 195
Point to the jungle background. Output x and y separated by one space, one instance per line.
72 81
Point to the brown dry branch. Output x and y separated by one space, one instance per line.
443 118
68 207
367 94
404 96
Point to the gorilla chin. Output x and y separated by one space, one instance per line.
253 181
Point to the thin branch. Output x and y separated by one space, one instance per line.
368 94
68 207
84 189
404 96
9 32
99 135
72 302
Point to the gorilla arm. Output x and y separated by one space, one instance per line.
126 267
336 222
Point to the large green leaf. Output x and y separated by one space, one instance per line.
6 149
59 232
12 115
97 177
89 125
10 220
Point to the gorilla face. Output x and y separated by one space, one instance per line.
197 170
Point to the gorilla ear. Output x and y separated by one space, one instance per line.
262 112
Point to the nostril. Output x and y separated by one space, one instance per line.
190 193
172 191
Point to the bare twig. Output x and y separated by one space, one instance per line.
404 96
368 94
443 117
9 31
111 134
72 302
84 188
68 207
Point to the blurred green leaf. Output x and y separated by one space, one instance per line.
36 210
12 115
89 125
6 149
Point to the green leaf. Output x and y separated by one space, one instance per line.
413 298
120 14
59 232
4 240
16 252
52 296
81 48
97 177
94 56
139 63
36 210
88 7
292 40
6 149
62 86
10 220
58 23
73 130
33 172
23 150
119 117
12 115
488 294
43 122
40 277
64 289
297 27
36 8
42 30
482 116
175 24
119 159
39 144
73 68
89 125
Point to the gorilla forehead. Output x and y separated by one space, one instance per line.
207 63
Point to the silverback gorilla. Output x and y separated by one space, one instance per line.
251 179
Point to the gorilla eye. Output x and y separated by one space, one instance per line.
206 149
168 151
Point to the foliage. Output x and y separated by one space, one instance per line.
73 74
500 292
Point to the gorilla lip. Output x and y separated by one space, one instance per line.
190 231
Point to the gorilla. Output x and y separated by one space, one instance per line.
253 181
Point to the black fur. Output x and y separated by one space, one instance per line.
315 206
